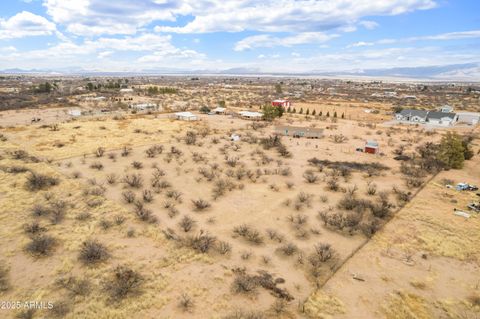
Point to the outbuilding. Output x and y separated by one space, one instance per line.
75 112
469 118
250 115
371 147
298 131
186 116
281 102
219 110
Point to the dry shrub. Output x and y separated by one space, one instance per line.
36 181
93 252
187 223
124 282
323 253
200 204
147 196
76 287
128 196
99 152
288 249
310 176
133 180
112 178
96 165
4 282
154 150
26 314
60 309
33 228
41 245
185 302
201 242
224 247
474 299
251 235
144 214
137 165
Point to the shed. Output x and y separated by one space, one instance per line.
219 110
298 131
371 147
281 102
470 118
250 115
74 112
446 109
186 116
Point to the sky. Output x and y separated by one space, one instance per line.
268 35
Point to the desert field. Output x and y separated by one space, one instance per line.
213 228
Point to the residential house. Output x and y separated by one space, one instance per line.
446 109
441 118
281 102
250 115
297 131
469 118
415 116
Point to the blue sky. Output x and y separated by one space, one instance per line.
269 35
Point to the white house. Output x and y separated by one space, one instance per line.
126 90
250 115
470 118
75 112
415 116
441 118
186 116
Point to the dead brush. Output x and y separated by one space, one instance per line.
36 181
288 249
251 235
75 286
133 180
185 303
175 195
128 196
202 242
96 165
200 204
93 252
187 223
41 245
123 282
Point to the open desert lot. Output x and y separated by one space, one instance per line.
144 216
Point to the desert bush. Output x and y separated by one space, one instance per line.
371 189
112 178
370 227
137 165
185 302
123 283
251 235
4 281
118 220
144 214
232 161
147 196
125 151
33 228
60 309
128 196
187 223
190 138
133 180
322 253
96 165
275 235
244 284
36 181
99 152
338 138
26 314
41 245
76 287
105 224
332 184
224 247
175 195
93 252
154 150
201 242
83 216
298 219
310 176
200 204
40 210
288 249
221 186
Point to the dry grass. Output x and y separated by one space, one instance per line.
322 306
401 305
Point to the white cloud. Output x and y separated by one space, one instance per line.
25 24
369 25
267 41
97 17
287 15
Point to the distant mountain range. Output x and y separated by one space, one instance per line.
468 72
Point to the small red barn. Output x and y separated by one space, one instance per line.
371 147
281 102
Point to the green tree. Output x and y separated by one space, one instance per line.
221 103
320 113
294 110
328 114
314 112
278 88
204 109
308 112
343 115
451 151
289 110
301 111
271 112
335 114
